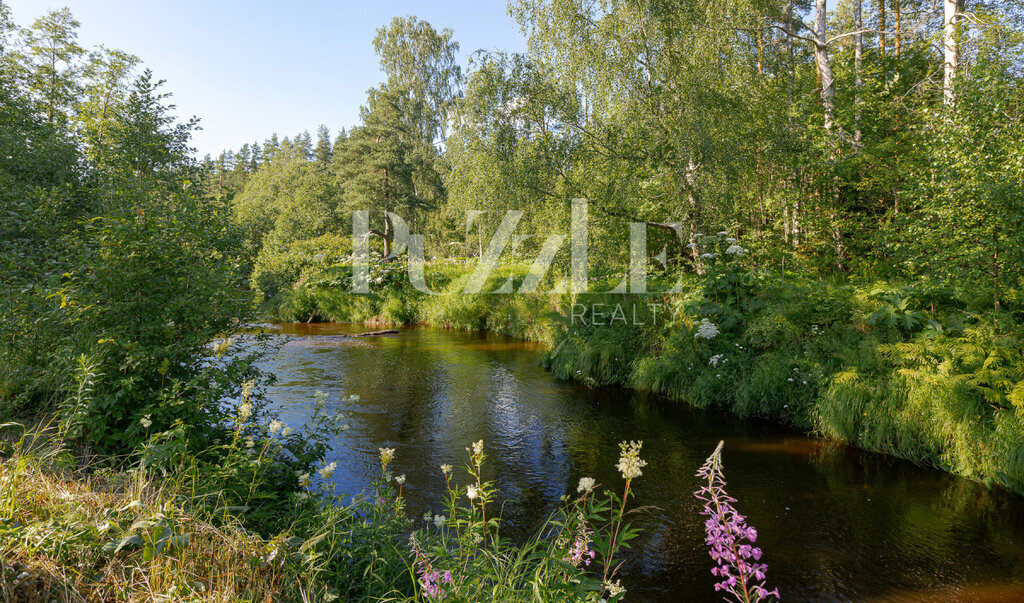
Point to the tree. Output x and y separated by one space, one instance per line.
53 53
323 146
422 61
377 168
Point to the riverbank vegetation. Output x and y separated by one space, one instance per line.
155 467
840 200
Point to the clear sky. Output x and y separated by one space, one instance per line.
249 69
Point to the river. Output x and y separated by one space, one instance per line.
834 523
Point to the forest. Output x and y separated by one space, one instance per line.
838 189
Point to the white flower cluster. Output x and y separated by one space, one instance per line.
706 329
328 470
736 250
716 359
630 462
586 484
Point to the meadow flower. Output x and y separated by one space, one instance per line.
430 579
287 431
249 442
304 480
386 455
723 233
247 388
472 492
446 469
629 460
328 470
145 421
439 520
730 538
478 447
708 256
222 348
613 588
714 360
736 250
586 484
400 479
244 411
706 329
275 426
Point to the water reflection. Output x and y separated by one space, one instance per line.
835 523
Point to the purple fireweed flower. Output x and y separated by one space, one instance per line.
729 538
580 551
430 579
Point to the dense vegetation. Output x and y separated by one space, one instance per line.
869 174
842 202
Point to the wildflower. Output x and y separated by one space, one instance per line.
736 250
244 411
247 388
328 470
723 233
630 461
400 479
304 480
716 359
249 442
430 579
613 588
145 421
287 431
728 536
275 426
472 492
708 256
706 329
439 520
580 551
586 484
386 455
427 515
478 447
730 240
222 348
446 469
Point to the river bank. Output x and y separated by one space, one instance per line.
913 370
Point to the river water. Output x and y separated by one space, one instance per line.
834 523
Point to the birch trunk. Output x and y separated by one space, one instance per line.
858 55
828 92
951 58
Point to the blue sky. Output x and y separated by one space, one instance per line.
249 69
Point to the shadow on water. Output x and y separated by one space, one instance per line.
834 523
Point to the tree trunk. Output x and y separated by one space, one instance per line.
951 58
858 54
881 26
828 92
898 36
789 48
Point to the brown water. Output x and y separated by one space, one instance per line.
834 523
